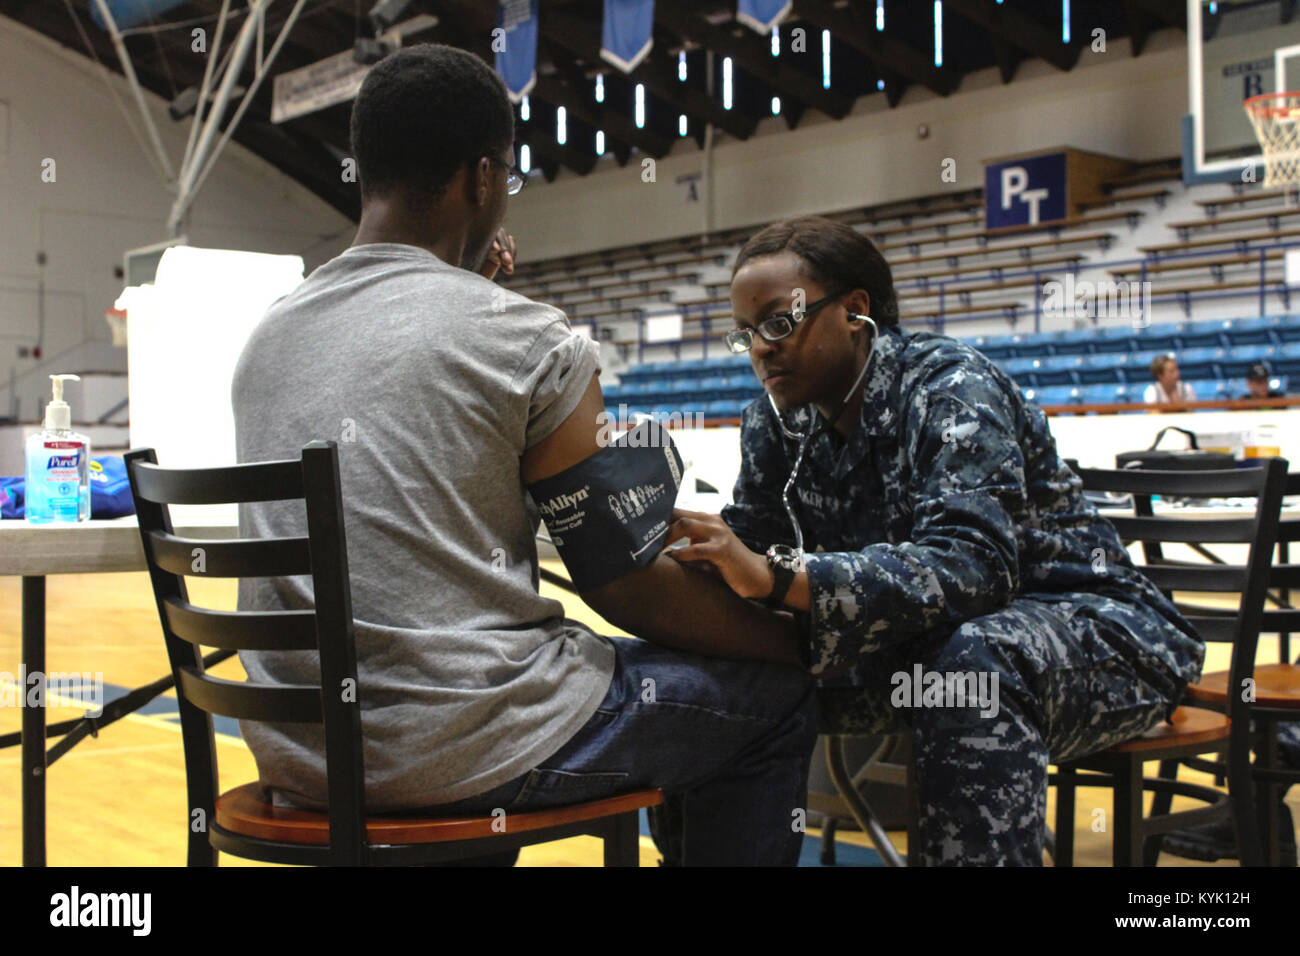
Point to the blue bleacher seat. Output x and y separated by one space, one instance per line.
1256 331
724 409
1238 360
996 346
1058 370
1107 394
709 389
1103 368
1033 346
1072 341
1203 335
1163 336
1056 395
1288 359
1022 370
1115 338
1202 363
1205 389
1288 328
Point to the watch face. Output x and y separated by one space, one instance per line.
786 557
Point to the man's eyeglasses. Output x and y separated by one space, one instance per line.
515 177
776 326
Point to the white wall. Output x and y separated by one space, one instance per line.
1110 103
106 198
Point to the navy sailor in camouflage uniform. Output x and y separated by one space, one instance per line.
944 536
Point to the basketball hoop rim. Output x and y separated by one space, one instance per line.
1256 108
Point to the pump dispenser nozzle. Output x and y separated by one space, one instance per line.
58 414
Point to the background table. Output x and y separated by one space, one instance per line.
34 551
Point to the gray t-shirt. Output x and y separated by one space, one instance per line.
433 381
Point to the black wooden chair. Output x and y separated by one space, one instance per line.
242 821
1276 686
1193 731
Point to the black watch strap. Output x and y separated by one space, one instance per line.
782 578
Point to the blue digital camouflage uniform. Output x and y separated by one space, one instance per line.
954 541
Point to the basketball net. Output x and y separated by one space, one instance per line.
116 319
1276 118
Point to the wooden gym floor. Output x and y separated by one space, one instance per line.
119 800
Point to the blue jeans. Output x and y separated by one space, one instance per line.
729 743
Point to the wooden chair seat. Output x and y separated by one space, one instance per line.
1190 725
243 811
1276 685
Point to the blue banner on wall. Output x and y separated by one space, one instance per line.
762 15
516 46
628 32
1024 192
132 13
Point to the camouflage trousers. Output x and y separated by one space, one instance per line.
989 707
1288 745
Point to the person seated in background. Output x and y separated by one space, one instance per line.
1168 387
1258 384
954 580
449 397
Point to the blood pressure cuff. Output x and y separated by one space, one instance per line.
609 514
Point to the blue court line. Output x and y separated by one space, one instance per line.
846 854
167 708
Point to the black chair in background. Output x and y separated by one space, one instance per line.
1193 731
1276 687
242 821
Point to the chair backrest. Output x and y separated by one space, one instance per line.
1285 578
328 629
1258 530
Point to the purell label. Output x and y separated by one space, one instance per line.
62 465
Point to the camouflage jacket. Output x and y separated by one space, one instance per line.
946 503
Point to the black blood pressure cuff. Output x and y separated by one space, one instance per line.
609 515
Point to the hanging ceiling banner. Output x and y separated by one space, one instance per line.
335 79
131 13
762 15
515 44
628 32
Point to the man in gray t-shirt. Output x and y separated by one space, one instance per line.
434 381
448 396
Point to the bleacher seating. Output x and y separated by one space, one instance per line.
948 269
1082 366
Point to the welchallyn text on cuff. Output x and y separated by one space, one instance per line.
609 514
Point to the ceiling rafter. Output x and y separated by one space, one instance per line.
1021 31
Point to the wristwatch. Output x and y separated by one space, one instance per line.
785 563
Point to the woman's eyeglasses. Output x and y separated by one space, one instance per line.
515 177
777 326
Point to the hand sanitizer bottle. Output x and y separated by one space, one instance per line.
58 465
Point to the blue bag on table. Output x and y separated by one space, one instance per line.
110 491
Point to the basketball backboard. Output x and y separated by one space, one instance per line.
1235 49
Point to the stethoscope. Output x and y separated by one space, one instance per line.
806 438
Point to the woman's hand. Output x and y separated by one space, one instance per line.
715 545
500 256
